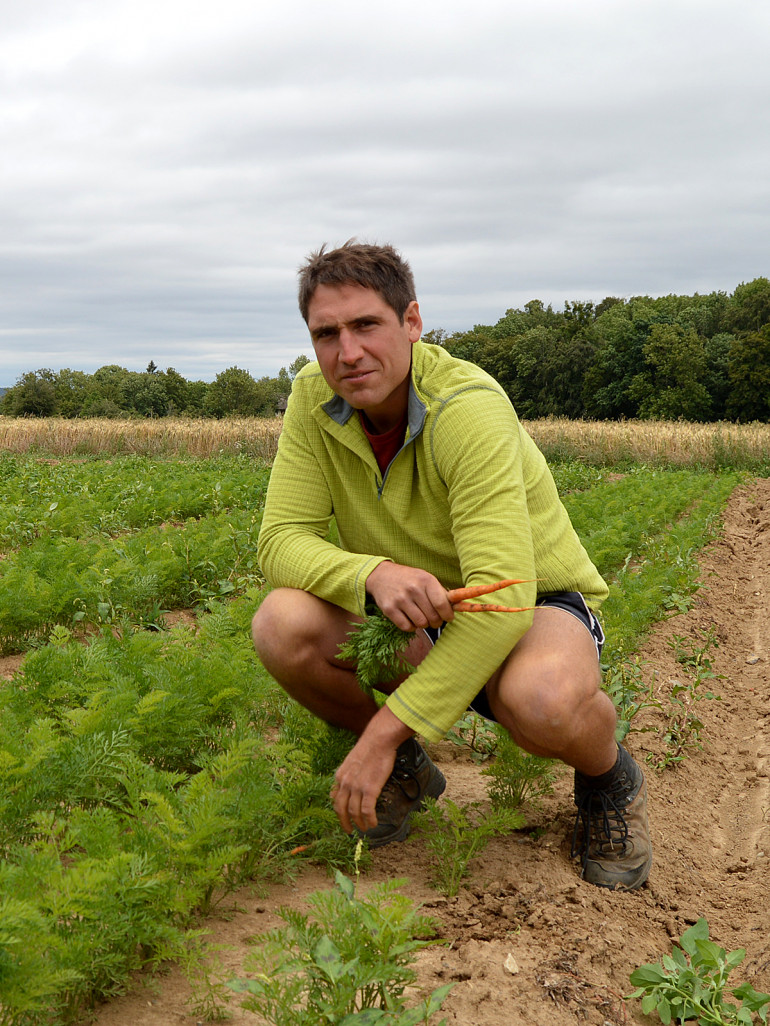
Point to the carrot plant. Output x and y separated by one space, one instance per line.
455 834
348 962
516 777
137 789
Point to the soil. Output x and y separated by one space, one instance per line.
529 941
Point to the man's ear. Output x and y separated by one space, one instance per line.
413 321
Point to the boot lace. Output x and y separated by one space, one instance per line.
601 813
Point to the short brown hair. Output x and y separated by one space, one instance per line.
379 268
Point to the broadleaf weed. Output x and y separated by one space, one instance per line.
689 985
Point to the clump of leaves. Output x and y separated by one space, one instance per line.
454 835
624 683
689 984
347 963
473 731
517 776
377 648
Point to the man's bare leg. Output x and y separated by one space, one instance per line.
297 637
547 695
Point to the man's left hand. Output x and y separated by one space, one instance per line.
363 773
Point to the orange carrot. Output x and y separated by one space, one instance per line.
462 594
298 849
487 607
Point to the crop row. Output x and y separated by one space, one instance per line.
137 782
77 499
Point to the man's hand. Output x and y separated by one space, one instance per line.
363 773
410 597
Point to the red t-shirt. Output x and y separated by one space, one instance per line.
386 445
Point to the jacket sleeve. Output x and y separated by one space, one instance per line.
480 452
294 548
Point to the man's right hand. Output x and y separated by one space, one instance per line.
410 597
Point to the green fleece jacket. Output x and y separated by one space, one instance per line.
469 498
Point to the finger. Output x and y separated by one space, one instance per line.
340 800
368 818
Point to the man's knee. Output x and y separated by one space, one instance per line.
292 626
279 624
548 699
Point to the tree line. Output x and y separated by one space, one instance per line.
696 358
113 391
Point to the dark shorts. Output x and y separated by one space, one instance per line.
570 601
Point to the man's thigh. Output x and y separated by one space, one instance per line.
290 622
556 661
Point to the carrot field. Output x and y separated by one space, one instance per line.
150 769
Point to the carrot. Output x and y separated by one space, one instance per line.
298 849
462 594
487 607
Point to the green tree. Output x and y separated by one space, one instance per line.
177 391
296 365
73 389
33 395
619 357
233 392
671 385
749 372
750 306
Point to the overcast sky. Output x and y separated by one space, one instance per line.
165 165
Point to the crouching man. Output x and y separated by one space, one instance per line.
433 485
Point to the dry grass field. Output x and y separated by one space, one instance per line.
659 443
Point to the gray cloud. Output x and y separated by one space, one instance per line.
165 169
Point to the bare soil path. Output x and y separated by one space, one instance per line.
574 945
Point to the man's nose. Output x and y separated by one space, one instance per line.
349 346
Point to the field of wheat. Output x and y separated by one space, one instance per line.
657 443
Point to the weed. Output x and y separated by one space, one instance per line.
453 837
689 984
477 734
348 963
683 729
624 683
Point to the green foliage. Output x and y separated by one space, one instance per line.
642 357
689 985
455 834
624 683
347 963
376 646
517 777
475 733
136 788
683 728
113 391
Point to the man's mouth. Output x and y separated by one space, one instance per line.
357 377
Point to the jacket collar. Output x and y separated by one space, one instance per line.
341 411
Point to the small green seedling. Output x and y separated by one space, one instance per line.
453 835
689 985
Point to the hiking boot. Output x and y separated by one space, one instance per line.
614 842
413 779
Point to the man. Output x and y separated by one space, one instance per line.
433 485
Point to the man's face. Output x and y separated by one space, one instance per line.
364 352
